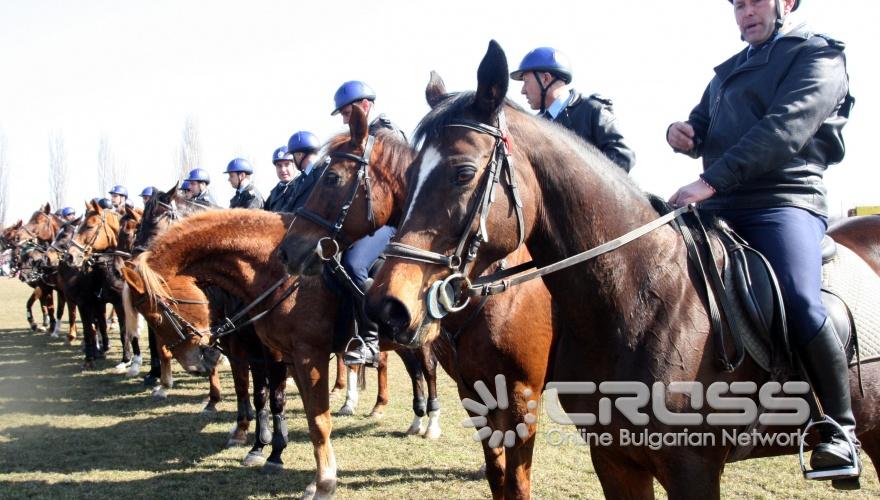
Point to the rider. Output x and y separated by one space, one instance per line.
357 93
68 214
767 127
359 257
147 193
118 197
239 171
281 193
546 73
199 179
184 190
304 147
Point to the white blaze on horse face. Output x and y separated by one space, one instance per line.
429 162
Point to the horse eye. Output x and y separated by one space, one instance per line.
464 174
331 179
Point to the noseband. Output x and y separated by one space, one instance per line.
335 227
444 292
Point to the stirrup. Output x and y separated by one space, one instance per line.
362 354
853 470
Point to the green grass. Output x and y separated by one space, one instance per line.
67 434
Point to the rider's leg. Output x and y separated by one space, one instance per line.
364 348
790 238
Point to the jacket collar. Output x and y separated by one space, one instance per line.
738 63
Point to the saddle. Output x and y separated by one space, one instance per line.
756 300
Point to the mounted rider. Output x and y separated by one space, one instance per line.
118 197
358 93
292 192
199 179
184 191
776 111
360 256
546 75
247 195
147 193
68 214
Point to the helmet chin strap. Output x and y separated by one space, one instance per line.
544 89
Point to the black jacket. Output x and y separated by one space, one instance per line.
249 197
304 185
383 122
280 196
593 119
768 127
205 199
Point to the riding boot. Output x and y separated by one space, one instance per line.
363 348
826 366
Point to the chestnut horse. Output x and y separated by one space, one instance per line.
40 231
508 335
632 315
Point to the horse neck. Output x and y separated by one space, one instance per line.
234 252
582 201
389 180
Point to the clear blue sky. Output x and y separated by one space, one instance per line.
252 73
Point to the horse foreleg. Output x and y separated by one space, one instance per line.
620 477
30 303
277 372
429 366
71 322
263 433
101 324
48 309
341 370
214 393
311 368
494 469
352 392
414 368
382 397
59 313
245 412
166 379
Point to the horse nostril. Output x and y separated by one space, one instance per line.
394 316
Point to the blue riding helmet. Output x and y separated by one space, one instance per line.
350 92
120 190
67 211
303 142
281 154
239 165
129 203
184 186
148 191
545 59
104 202
199 175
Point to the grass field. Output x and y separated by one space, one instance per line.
67 434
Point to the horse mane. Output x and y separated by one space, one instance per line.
155 285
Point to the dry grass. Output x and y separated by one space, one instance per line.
65 434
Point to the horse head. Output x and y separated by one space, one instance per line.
176 309
465 201
98 233
358 192
159 213
128 227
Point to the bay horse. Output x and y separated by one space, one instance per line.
88 271
40 231
486 339
634 314
54 256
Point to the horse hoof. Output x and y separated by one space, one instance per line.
33 328
335 393
345 411
271 468
209 409
253 459
159 393
312 493
120 368
377 414
433 433
133 371
88 366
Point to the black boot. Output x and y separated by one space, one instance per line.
826 366
363 348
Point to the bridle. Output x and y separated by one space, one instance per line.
460 263
171 213
88 249
335 227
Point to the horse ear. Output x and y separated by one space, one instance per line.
171 192
78 220
436 90
18 224
133 278
97 207
47 208
492 81
130 212
357 125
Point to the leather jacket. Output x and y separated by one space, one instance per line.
249 197
769 125
593 119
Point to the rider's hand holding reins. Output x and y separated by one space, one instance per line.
694 192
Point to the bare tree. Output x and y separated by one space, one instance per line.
190 148
4 179
110 171
57 170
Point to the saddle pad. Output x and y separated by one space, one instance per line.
853 280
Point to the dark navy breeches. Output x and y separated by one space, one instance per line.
361 255
791 239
